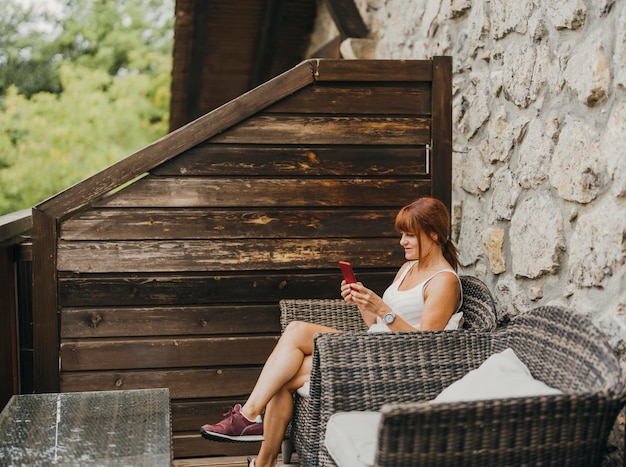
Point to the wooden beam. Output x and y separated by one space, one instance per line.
228 289
45 319
226 255
347 18
14 225
195 77
181 55
372 70
441 155
279 129
128 353
266 48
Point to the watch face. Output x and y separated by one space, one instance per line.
389 318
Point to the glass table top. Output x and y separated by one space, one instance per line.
108 428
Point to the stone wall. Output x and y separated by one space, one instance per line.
539 111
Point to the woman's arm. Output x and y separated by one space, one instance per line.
441 300
371 305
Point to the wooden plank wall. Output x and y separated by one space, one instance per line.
174 281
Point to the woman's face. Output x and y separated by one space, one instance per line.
411 244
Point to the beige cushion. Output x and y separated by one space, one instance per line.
502 375
351 438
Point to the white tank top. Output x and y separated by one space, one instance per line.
409 304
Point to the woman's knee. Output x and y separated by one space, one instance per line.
299 334
297 328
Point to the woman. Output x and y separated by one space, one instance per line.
425 295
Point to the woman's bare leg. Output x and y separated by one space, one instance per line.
283 364
287 368
278 413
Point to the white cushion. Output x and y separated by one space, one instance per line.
455 321
351 438
305 390
502 375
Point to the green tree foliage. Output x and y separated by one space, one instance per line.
111 64
26 54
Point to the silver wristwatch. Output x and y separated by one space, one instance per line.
389 317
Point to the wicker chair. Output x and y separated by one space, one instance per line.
305 432
561 348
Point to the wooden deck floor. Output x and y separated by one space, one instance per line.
212 462
221 462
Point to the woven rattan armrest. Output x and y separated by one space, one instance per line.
549 430
334 313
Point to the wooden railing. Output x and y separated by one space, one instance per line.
16 355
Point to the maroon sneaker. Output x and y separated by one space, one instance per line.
234 427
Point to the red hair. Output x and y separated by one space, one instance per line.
429 215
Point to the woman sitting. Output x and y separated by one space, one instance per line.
425 295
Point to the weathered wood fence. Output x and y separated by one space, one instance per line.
166 269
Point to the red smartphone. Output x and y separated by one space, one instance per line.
348 273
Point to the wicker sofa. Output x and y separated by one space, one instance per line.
305 433
560 347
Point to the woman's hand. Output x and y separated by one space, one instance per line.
367 300
351 294
371 305
346 291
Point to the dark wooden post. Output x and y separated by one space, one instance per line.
45 319
441 153
13 227
8 328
